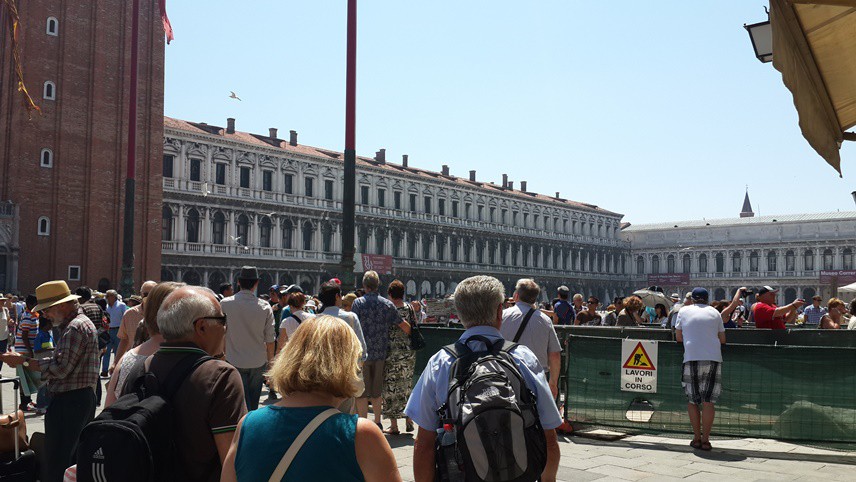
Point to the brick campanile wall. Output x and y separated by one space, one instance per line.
86 127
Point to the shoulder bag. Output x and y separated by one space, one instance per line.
302 437
417 340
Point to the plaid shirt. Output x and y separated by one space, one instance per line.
93 312
813 315
74 363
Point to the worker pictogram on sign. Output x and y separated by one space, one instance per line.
639 359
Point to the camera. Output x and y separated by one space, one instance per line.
748 292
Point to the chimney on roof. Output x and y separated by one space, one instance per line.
292 138
380 156
473 176
505 181
523 186
557 195
404 160
510 185
230 125
273 133
445 170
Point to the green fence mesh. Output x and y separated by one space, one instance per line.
770 390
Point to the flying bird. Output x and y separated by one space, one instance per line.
234 96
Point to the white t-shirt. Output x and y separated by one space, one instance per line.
700 326
289 324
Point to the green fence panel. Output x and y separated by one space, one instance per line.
783 392
435 339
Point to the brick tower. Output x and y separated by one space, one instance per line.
62 173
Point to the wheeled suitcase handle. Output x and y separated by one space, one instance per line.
15 381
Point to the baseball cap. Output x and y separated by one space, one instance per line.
337 281
294 289
700 294
563 289
275 288
688 295
766 289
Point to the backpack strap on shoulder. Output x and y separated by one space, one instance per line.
507 346
172 382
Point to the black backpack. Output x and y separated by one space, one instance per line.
491 430
132 440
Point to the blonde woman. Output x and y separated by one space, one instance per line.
630 316
834 318
317 371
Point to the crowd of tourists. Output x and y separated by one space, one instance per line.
328 360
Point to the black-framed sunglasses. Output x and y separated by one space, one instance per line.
220 318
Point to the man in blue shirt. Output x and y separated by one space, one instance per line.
478 302
563 309
115 310
376 315
814 313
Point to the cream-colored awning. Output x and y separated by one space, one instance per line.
814 47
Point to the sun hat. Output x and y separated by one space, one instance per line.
53 293
249 273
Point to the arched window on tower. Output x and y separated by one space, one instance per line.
264 232
193 226
52 27
166 224
44 226
49 92
218 228
46 158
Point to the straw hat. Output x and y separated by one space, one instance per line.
53 293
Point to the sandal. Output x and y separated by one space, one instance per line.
706 446
390 431
696 444
408 427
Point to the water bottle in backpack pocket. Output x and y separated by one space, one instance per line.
493 415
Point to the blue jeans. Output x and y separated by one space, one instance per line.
111 348
252 378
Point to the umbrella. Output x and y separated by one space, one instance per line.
851 288
653 298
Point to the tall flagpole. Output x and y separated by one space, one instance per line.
348 206
127 285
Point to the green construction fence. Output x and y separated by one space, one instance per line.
787 384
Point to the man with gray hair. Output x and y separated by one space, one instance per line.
71 373
376 315
525 324
210 401
478 302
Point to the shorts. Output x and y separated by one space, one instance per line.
373 378
702 381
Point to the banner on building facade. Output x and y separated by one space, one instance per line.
669 279
372 262
838 277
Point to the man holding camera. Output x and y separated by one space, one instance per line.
768 315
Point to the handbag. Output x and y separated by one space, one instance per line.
417 340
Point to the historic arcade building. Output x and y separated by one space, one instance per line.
785 251
233 198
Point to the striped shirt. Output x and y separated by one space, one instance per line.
28 328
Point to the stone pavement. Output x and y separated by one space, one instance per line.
644 457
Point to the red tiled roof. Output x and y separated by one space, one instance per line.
252 140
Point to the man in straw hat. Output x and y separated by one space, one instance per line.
71 373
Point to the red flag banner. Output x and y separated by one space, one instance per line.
14 21
167 27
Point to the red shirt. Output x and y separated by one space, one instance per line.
764 317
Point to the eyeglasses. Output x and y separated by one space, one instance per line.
219 318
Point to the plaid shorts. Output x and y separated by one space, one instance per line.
702 381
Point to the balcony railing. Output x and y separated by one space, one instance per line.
220 190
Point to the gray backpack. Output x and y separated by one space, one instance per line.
491 430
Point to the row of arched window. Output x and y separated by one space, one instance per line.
736 266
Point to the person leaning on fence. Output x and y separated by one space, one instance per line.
834 318
630 315
478 302
700 328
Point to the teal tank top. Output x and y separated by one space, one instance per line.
328 454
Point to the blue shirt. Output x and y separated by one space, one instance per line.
328 454
376 315
433 386
116 312
564 311
813 315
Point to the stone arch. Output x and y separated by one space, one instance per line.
192 277
216 279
